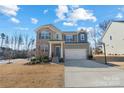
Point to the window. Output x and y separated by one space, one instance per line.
44 48
110 37
45 35
57 36
75 37
69 38
82 37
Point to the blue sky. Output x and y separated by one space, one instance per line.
25 19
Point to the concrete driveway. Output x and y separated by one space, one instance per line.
87 73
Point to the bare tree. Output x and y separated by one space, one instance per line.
15 41
97 32
20 41
11 42
101 29
32 43
95 35
30 47
29 44
8 49
26 38
7 41
2 38
103 25
92 35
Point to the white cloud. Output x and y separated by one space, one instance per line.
14 20
82 14
72 14
22 28
45 11
60 11
73 7
9 10
34 20
119 15
69 24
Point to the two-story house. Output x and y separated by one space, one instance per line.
64 45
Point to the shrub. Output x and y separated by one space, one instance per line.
33 59
45 59
39 59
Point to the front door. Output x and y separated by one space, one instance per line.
57 51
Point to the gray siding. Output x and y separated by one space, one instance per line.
85 37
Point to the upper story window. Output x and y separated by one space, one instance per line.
110 37
82 37
69 38
57 36
45 35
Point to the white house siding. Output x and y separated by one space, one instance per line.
116 45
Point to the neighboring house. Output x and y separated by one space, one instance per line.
114 38
64 45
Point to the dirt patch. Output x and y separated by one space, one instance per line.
31 76
119 64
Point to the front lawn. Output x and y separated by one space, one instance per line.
31 76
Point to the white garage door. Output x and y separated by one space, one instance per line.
75 54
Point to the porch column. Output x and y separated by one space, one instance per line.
61 49
50 50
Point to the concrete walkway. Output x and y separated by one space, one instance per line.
86 73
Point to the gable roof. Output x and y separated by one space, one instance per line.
56 29
48 26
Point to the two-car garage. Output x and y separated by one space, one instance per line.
75 53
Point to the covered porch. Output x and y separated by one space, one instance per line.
56 49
